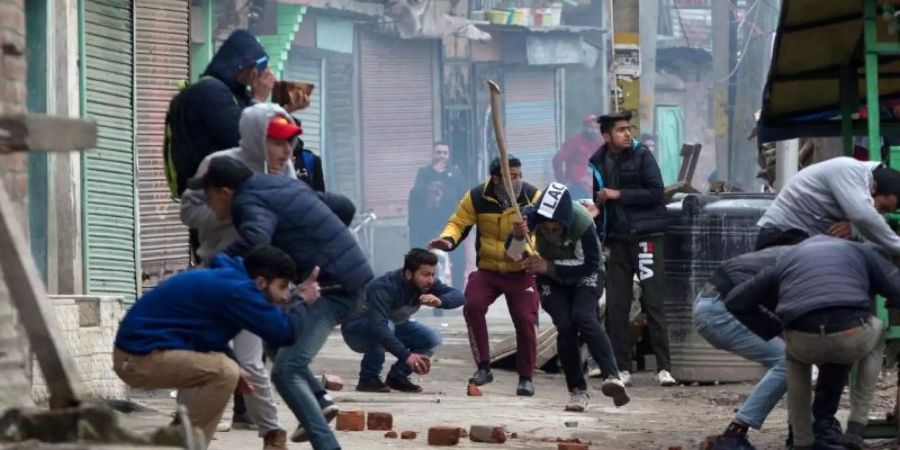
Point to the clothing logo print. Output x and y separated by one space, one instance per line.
645 260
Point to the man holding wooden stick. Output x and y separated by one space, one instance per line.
489 207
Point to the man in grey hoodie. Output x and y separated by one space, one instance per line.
267 136
837 197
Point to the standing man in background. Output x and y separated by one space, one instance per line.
570 162
432 200
628 189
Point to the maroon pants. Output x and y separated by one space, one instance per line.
523 301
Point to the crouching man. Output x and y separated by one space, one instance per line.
176 335
391 300
819 292
568 266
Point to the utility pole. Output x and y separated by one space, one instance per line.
721 61
626 51
649 23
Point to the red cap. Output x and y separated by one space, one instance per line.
280 127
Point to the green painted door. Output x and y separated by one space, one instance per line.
669 137
109 198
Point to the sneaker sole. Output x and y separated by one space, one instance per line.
668 383
575 409
244 426
301 435
617 393
524 393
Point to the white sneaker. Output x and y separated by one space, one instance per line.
665 378
594 373
625 377
615 389
578 401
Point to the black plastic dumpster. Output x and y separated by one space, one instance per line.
706 230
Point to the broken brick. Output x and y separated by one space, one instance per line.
487 434
332 382
408 435
571 446
379 421
675 447
443 436
351 421
391 435
514 436
463 433
472 390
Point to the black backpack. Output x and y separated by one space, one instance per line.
181 160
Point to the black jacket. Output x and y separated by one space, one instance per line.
392 298
213 104
643 194
741 268
426 219
277 210
820 273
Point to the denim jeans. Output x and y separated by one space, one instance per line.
417 337
292 375
721 329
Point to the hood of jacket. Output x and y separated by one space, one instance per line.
555 204
223 261
253 126
240 50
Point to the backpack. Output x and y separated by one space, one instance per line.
180 159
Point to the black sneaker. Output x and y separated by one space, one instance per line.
828 430
373 384
482 377
525 388
403 385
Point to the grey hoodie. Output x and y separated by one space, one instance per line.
215 235
827 192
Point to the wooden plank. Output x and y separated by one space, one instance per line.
29 297
39 132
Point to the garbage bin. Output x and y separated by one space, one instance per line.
704 231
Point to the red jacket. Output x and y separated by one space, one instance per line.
570 162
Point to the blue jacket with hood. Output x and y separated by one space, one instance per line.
288 214
213 104
202 310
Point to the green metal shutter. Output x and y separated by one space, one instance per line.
110 244
308 70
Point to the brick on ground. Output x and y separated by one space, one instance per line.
351 421
443 436
379 421
487 434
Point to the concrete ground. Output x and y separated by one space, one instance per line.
656 417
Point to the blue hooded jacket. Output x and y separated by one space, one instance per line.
213 104
202 310
288 214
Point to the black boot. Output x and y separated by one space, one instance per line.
483 375
828 429
372 384
853 438
525 388
403 385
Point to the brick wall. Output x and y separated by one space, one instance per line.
13 168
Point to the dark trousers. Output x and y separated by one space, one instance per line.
643 257
573 308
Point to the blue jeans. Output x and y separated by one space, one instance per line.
292 375
721 329
418 338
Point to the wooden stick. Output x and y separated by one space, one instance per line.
504 154
28 295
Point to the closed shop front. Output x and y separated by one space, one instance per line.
162 60
397 95
532 114
109 194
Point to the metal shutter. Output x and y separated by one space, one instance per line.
308 70
109 170
162 60
343 172
397 119
531 121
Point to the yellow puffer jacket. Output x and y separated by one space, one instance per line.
479 207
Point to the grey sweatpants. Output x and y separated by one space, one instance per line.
863 345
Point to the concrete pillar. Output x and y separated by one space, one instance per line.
64 254
786 154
